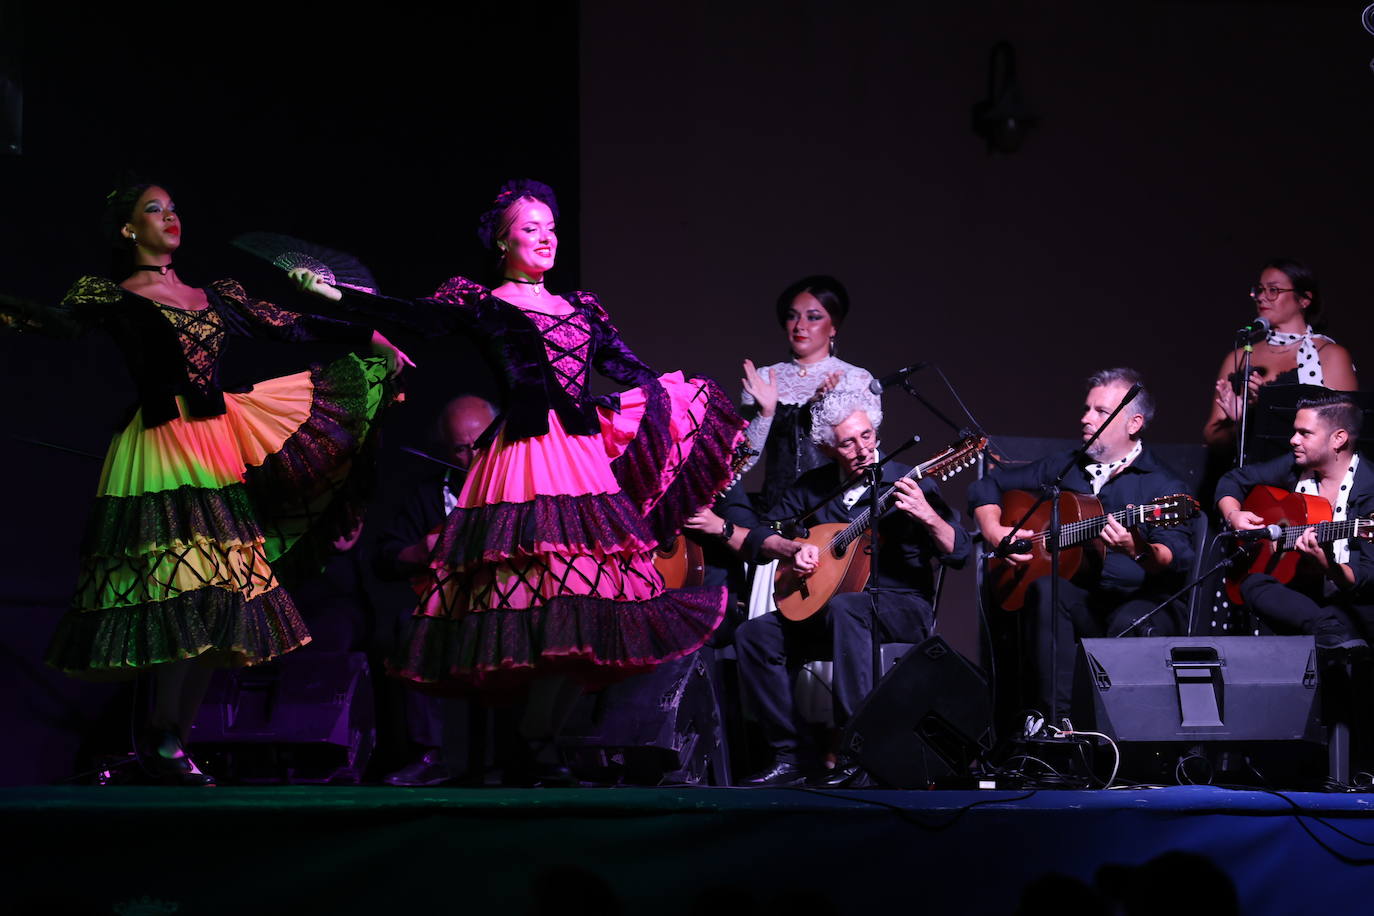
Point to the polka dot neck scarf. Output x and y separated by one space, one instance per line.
1309 364
1099 474
1340 550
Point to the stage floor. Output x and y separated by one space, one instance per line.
329 849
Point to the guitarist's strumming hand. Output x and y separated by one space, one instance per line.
1242 521
994 532
1239 519
806 559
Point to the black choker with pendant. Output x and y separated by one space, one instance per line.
537 284
160 268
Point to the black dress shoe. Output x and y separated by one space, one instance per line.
426 772
781 773
847 774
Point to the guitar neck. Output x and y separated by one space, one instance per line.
951 460
854 529
1080 532
1326 531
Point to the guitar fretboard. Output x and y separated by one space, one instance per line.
1326 531
1074 533
946 464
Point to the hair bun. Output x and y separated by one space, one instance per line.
510 192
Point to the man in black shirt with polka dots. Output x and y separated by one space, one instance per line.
1141 565
1332 597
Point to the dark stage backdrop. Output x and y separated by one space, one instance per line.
382 132
706 155
730 148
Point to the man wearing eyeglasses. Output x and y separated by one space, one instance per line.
403 551
771 650
1141 565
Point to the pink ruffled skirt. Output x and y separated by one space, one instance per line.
546 565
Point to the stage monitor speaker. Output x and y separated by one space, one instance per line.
1229 688
307 717
926 720
663 726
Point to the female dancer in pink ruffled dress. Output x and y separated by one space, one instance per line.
545 566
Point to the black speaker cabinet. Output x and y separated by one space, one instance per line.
307 717
661 727
927 719
1229 688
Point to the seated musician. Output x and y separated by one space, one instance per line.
921 530
1329 599
1142 566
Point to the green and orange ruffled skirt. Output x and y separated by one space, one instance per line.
197 520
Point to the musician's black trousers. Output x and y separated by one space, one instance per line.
1290 611
1083 614
772 649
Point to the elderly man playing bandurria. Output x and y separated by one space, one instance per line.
921 531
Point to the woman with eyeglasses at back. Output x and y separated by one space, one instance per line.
1288 297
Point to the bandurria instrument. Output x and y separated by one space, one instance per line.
844 550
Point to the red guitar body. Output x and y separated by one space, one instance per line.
1276 507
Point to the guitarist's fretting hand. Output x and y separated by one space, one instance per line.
1307 542
1339 573
911 499
1135 545
1118 537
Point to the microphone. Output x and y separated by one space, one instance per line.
1020 545
878 385
1267 533
1255 331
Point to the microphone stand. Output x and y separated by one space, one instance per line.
428 457
910 389
875 499
1226 560
1050 493
1248 349
846 484
871 586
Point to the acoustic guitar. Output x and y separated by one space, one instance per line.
845 556
1081 520
681 562
1295 513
